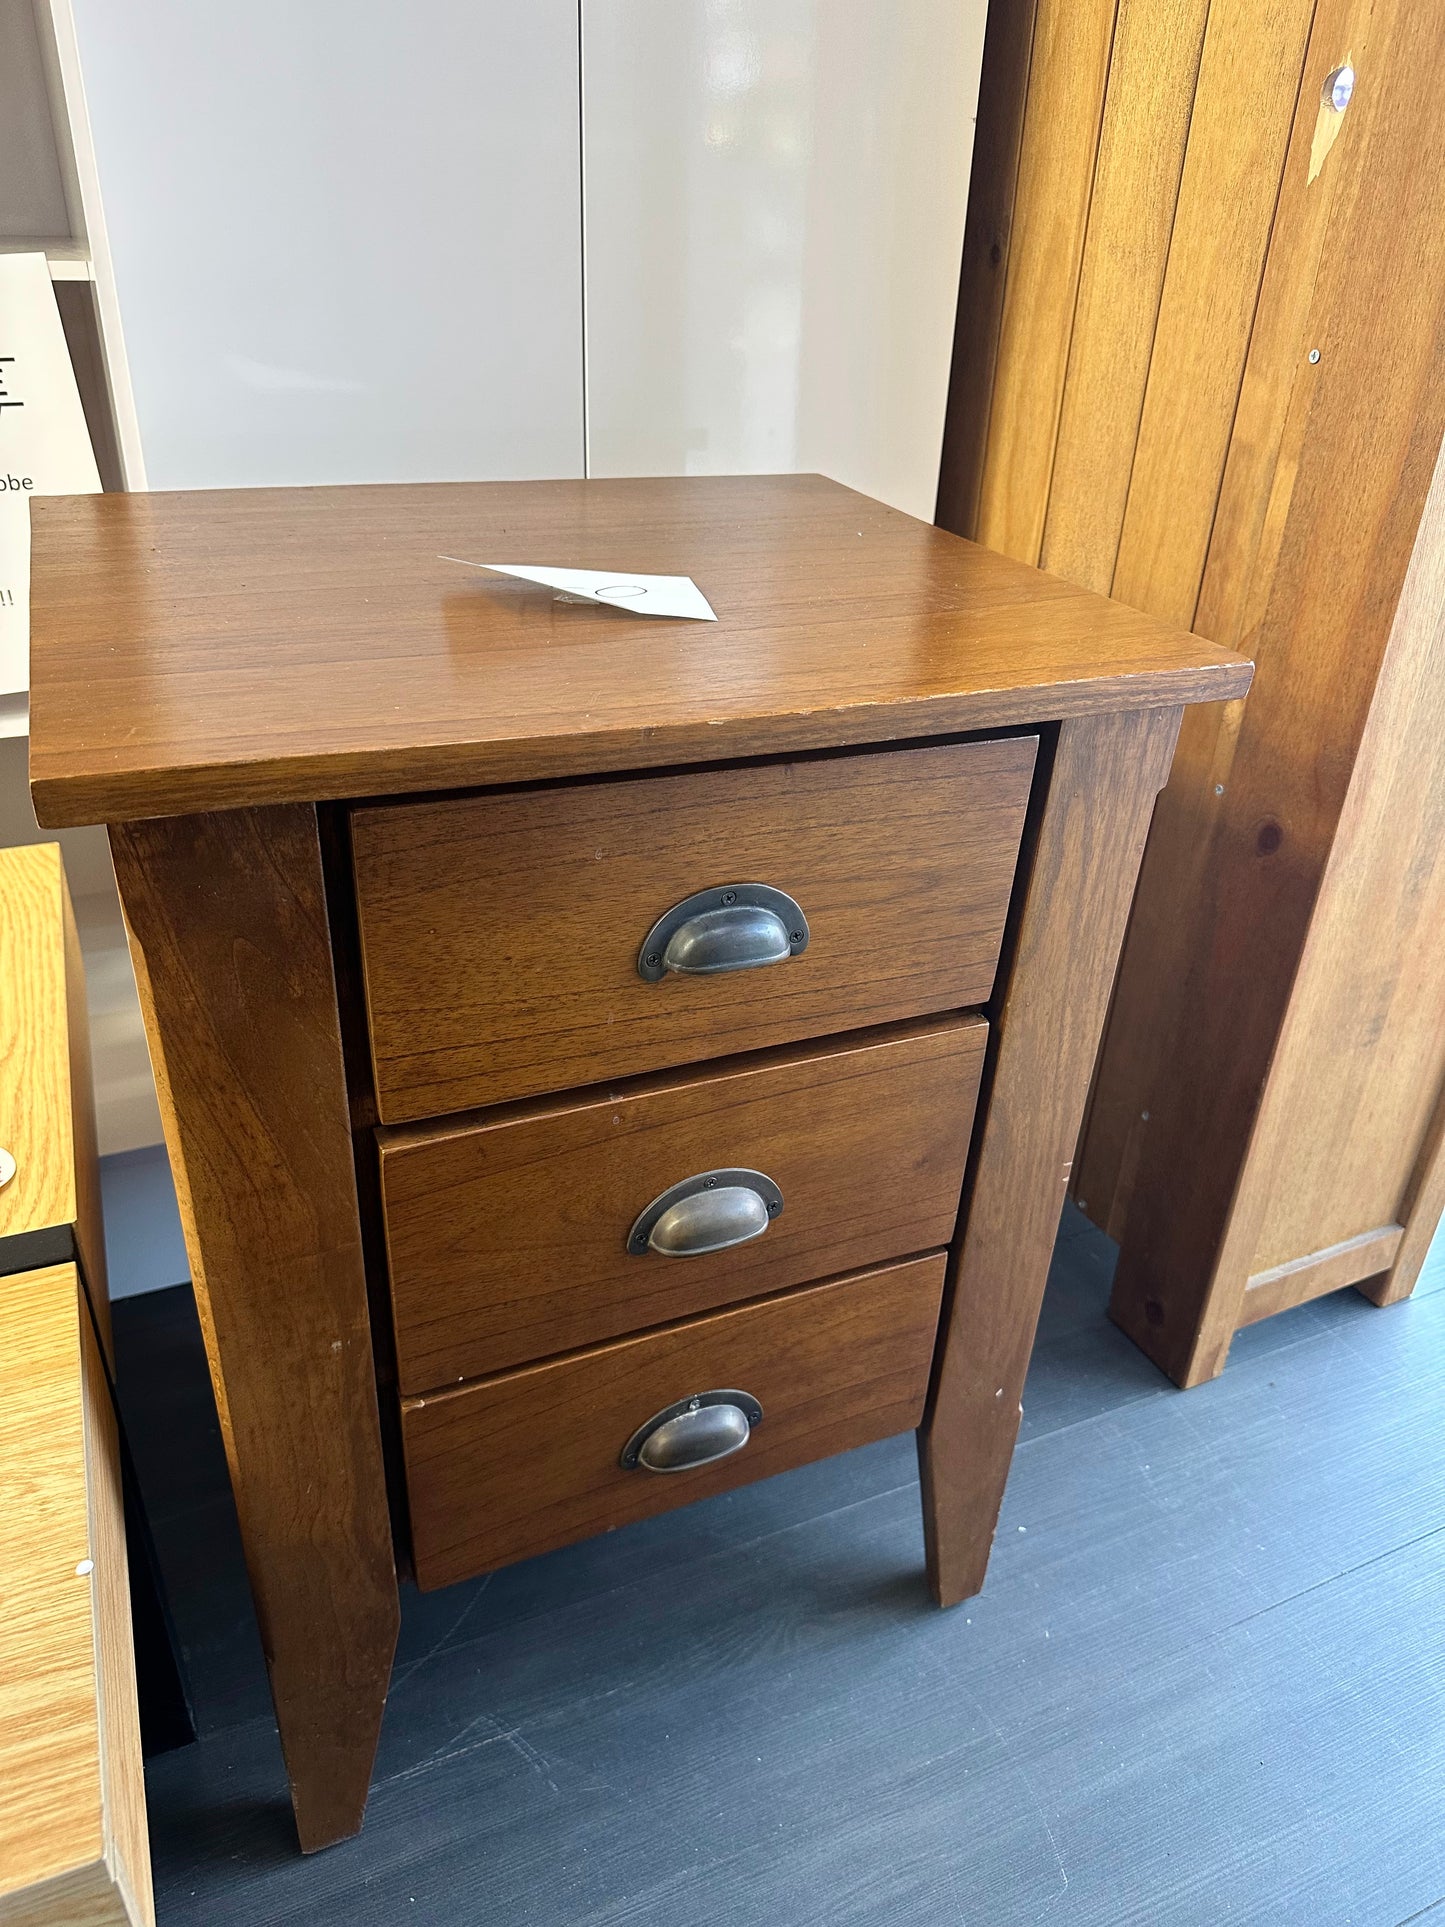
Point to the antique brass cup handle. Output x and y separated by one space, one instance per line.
709 1212
737 926
695 1431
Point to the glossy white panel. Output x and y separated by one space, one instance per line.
346 234
32 183
775 195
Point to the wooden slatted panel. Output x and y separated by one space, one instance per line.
987 239
1068 71
1203 469
1136 183
1156 955
1277 343
1249 79
1358 453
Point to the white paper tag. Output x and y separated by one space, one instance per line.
14 595
44 444
639 595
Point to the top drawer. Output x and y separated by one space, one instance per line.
501 933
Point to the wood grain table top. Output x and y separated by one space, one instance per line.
219 649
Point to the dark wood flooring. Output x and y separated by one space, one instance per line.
1205 1683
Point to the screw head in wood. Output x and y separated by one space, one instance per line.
1339 88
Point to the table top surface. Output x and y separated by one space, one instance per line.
219 649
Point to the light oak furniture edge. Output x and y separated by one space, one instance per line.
50 1209
73 1845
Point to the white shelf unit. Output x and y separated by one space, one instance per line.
50 204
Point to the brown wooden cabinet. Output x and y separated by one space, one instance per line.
1199 367
490 1189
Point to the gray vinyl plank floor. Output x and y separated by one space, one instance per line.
1205 1682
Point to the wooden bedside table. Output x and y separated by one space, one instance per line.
576 1031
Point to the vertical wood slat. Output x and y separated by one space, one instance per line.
987 232
1068 71
1187 820
1357 458
1249 81
1131 214
1277 343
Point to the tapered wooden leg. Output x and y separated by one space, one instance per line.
1106 773
229 934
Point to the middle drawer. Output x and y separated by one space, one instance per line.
522 1232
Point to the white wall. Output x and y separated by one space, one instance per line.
775 197
346 236
349 242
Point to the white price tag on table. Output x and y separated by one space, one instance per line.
639 595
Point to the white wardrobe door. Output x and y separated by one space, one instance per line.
346 236
775 195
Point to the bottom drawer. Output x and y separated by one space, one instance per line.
532 1459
